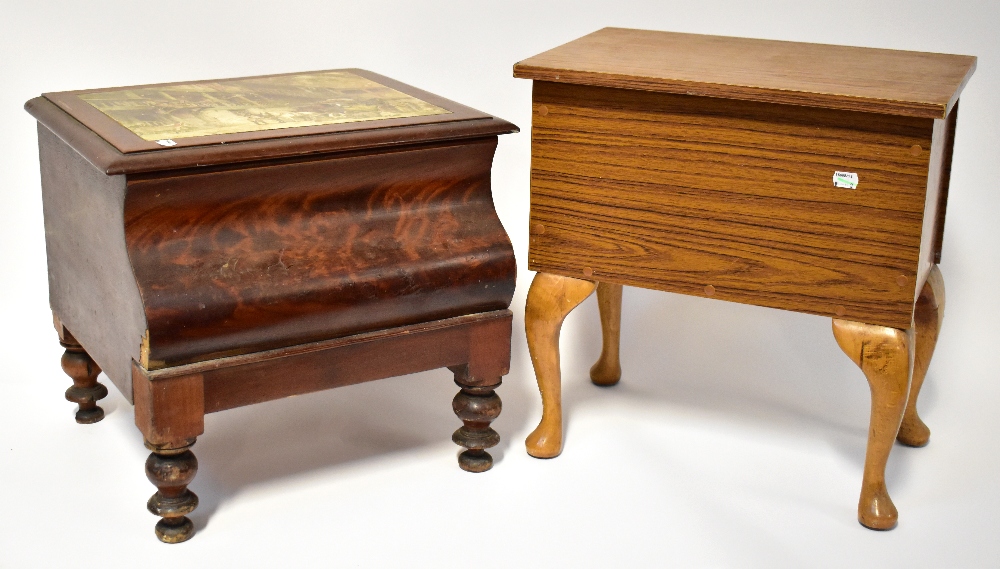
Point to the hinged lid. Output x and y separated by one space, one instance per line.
838 77
179 125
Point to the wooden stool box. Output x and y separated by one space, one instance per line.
804 177
222 243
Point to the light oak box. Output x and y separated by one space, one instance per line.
706 165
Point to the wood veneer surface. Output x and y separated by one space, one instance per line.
832 76
259 244
730 199
242 260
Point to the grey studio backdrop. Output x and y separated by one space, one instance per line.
735 439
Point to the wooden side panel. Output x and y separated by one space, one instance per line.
237 261
730 199
944 182
92 290
168 410
938 178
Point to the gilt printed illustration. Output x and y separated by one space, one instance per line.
255 104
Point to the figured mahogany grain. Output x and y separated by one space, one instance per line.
250 259
212 276
832 76
695 194
349 211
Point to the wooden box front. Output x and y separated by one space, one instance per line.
730 199
250 258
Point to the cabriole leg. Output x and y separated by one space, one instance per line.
608 369
550 299
83 370
171 468
927 317
884 355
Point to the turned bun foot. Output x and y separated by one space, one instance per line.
477 406
876 510
474 460
86 391
171 470
175 530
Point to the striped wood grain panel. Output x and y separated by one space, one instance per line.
677 193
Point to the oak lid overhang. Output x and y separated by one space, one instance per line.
114 149
881 81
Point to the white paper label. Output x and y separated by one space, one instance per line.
166 142
847 180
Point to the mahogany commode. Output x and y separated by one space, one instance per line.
221 243
804 177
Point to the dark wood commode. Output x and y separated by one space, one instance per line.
222 243
803 177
